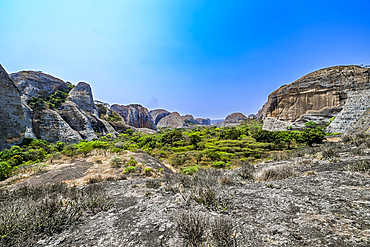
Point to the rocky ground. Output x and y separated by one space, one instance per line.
322 205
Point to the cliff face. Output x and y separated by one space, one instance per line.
158 114
82 96
323 88
234 119
12 121
135 115
31 82
342 91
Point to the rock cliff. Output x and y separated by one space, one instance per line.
158 114
345 87
82 96
135 115
203 121
174 121
30 83
234 119
12 120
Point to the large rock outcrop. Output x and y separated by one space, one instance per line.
341 86
12 120
82 96
272 124
135 115
158 114
203 121
173 121
77 120
30 83
49 125
234 119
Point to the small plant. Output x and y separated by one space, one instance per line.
190 170
223 232
329 153
98 161
191 228
360 166
246 171
153 184
132 161
275 173
148 171
129 169
115 162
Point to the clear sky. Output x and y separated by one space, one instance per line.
205 58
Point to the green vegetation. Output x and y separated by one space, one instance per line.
185 149
54 100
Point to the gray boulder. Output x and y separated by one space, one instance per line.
190 119
12 120
158 114
234 119
273 124
174 121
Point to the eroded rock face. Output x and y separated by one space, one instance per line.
77 120
203 121
323 88
101 126
31 82
12 120
158 114
272 124
82 96
49 125
28 116
135 115
190 119
234 119
174 121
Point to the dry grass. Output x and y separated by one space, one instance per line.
275 173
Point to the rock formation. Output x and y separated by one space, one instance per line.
234 119
30 83
49 125
340 86
82 96
158 114
203 121
189 119
272 124
174 121
77 120
135 115
12 120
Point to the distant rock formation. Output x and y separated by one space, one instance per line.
234 119
189 119
12 120
135 115
174 121
30 83
340 86
158 114
203 121
82 96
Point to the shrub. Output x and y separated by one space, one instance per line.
360 166
190 170
223 232
115 162
148 171
191 228
132 161
5 170
129 169
219 164
153 184
330 153
246 171
275 173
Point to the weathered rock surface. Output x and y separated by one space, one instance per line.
31 82
340 86
49 125
82 96
174 121
272 124
158 114
190 119
234 119
28 116
99 102
135 115
328 208
101 126
12 120
203 121
77 120
361 126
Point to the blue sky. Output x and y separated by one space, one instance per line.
205 58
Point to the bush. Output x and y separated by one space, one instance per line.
129 169
246 171
275 173
190 170
360 166
148 171
115 162
223 232
153 184
191 228
5 170
219 164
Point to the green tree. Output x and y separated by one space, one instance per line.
311 136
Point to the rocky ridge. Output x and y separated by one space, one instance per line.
135 115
